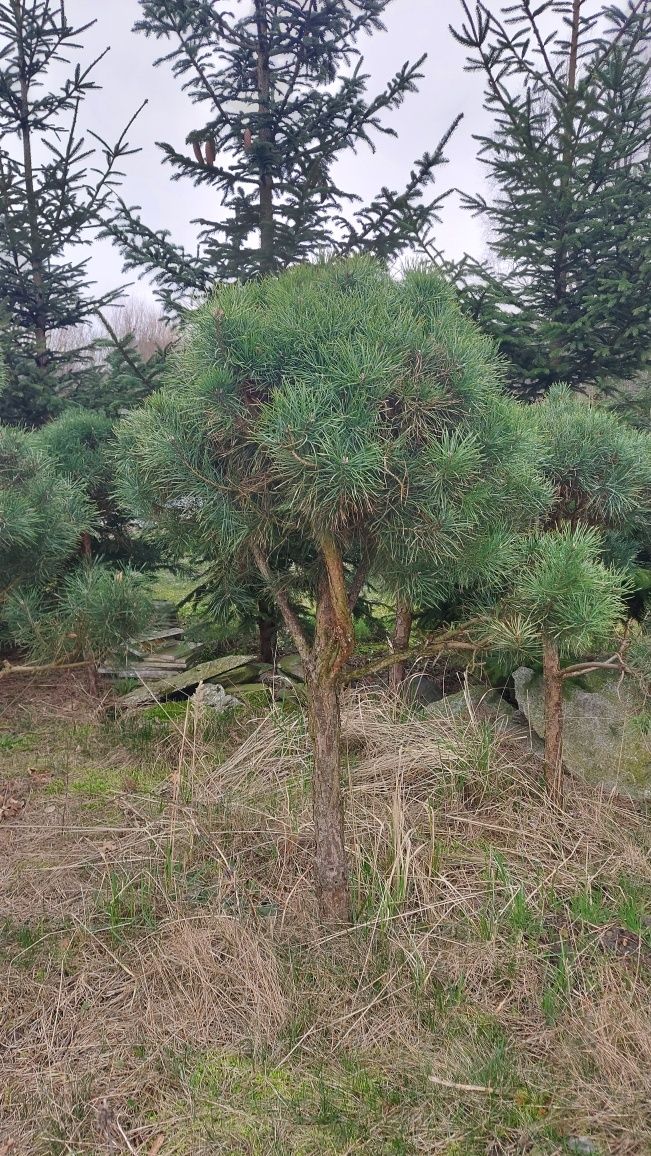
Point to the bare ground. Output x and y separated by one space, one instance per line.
166 988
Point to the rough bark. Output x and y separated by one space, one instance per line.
324 661
333 643
553 757
400 642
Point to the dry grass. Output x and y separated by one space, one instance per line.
166 987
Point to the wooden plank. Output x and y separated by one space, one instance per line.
164 632
201 673
145 673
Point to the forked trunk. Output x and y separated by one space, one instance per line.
330 867
553 689
400 641
324 660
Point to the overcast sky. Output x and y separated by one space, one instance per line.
128 77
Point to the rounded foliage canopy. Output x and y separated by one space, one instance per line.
42 514
334 401
599 467
562 591
78 443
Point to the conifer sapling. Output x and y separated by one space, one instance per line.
325 425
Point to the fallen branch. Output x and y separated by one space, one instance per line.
8 668
483 1089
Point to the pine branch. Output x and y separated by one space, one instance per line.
300 639
450 641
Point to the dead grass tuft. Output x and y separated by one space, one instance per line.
213 982
163 973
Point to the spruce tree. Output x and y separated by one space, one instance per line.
569 213
322 427
283 95
55 185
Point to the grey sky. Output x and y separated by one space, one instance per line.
413 26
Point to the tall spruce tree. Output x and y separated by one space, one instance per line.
54 186
284 98
569 160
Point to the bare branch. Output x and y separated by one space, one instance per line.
300 639
8 668
616 662
447 642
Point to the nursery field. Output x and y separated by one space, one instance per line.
167 987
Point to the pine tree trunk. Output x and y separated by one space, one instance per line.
324 660
553 692
400 641
267 631
333 643
265 185
330 866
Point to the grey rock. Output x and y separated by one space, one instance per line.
275 680
603 742
291 664
583 1145
250 672
420 688
460 706
213 696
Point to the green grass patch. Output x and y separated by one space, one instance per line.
263 1108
